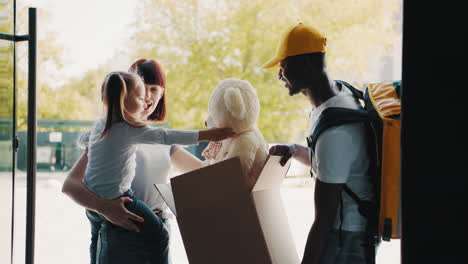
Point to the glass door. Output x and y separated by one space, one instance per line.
9 141
7 129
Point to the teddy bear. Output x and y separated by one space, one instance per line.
234 103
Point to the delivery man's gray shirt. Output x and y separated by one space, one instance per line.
341 156
111 159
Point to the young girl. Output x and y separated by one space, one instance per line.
111 163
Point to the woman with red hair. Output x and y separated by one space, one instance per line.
153 163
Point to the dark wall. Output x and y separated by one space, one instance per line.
434 144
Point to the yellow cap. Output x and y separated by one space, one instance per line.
298 40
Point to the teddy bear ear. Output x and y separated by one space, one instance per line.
234 103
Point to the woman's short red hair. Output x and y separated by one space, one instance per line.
152 73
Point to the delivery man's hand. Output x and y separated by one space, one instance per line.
285 151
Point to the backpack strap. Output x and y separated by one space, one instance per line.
357 93
397 86
335 116
351 194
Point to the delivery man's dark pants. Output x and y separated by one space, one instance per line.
351 250
111 244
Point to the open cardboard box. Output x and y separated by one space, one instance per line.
223 220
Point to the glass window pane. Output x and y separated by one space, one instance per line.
6 131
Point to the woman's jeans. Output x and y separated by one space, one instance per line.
111 244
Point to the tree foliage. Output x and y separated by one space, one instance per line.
6 62
76 100
200 42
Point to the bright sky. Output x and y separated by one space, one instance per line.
91 31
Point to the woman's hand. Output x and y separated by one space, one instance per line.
215 134
113 210
116 213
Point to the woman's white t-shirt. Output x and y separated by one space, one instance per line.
153 164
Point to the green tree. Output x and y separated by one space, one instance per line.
71 101
6 62
200 43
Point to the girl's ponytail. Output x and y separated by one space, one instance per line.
114 90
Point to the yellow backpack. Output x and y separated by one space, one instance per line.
382 107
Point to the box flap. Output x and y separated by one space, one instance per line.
275 226
165 190
272 174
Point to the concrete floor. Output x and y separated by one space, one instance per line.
62 230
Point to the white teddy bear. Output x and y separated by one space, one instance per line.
234 103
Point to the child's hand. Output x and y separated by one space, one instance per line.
215 134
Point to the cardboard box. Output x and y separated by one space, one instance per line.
223 220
